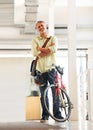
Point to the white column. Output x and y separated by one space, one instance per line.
72 78
51 17
31 16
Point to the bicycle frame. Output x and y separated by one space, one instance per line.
59 83
62 96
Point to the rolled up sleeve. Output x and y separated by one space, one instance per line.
53 48
35 52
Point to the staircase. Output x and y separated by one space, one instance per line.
14 38
6 12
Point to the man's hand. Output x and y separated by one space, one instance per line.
42 54
44 51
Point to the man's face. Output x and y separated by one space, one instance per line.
41 27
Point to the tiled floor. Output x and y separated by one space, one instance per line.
51 125
74 125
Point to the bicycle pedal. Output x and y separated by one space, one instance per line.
72 106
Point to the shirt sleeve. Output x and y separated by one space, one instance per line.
35 52
53 48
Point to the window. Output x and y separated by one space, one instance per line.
62 60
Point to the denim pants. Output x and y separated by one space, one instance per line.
49 78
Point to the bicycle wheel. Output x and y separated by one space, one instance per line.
64 103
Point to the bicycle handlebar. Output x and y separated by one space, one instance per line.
59 69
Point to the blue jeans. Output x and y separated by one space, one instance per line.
49 77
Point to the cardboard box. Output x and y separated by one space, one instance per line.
33 110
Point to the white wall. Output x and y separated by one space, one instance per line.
19 12
83 14
14 83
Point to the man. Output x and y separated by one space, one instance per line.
46 59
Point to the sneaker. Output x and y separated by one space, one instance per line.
44 120
59 117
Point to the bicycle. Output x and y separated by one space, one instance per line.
65 104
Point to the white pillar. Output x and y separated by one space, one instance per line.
51 17
72 78
30 16
19 18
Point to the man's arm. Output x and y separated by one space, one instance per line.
44 51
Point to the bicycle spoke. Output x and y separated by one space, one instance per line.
64 104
